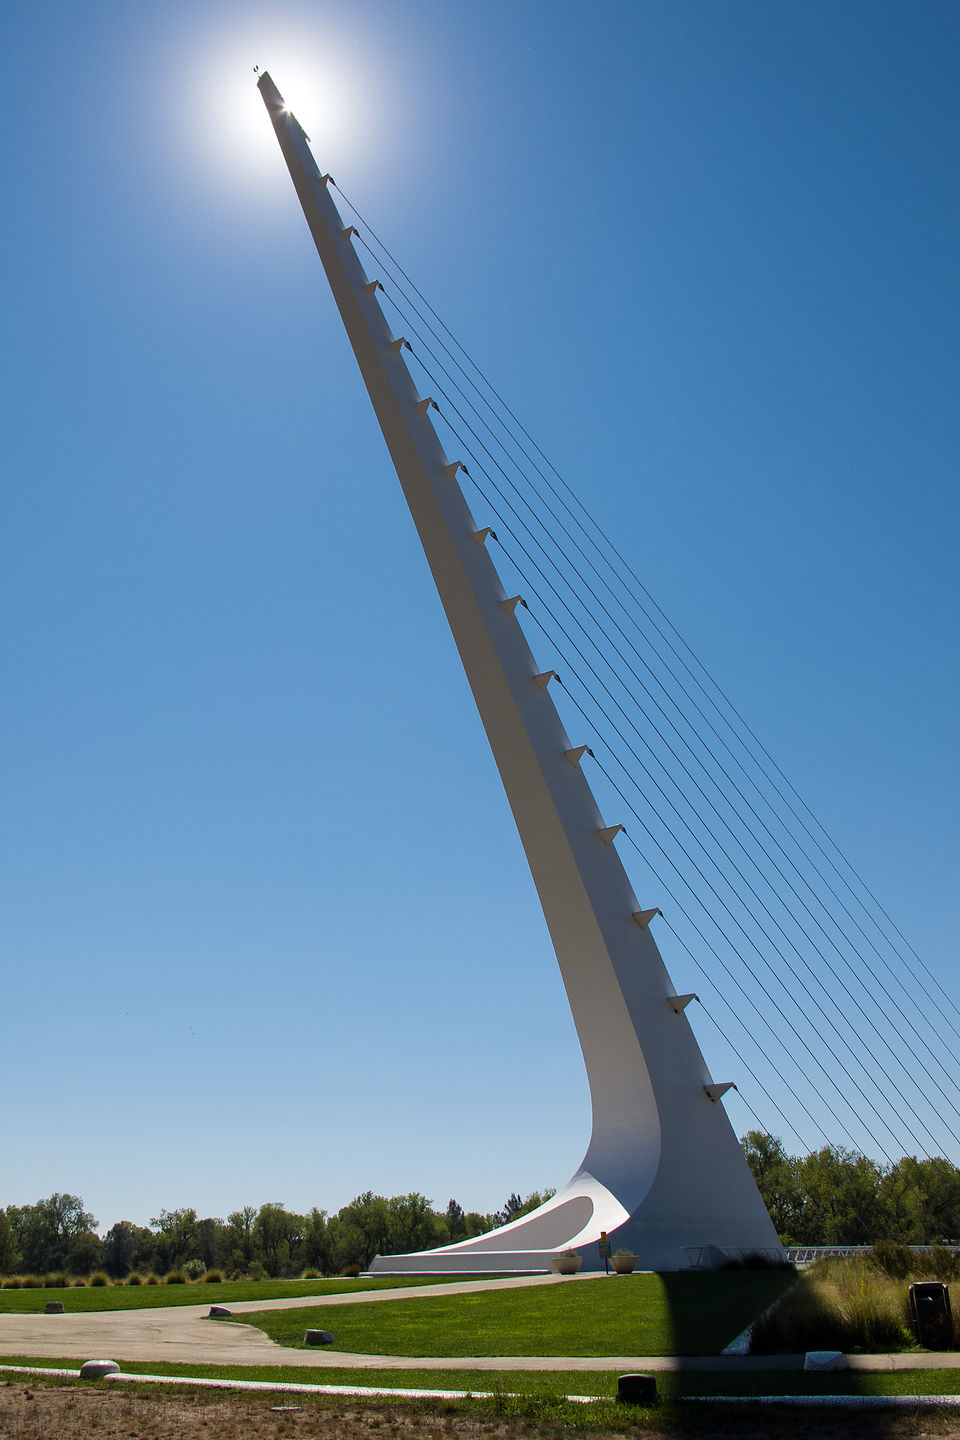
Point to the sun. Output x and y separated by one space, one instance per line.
326 84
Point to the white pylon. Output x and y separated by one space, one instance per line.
663 1173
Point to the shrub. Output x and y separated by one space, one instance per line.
309 1273
134 1279
874 1314
99 1277
802 1321
238 1274
892 1259
837 1305
12 1282
175 1277
943 1264
351 1271
31 1282
213 1277
258 1272
193 1269
756 1260
56 1280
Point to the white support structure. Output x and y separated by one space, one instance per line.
663 1172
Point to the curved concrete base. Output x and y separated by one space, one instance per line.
577 1216
572 1218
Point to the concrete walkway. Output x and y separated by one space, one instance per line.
183 1335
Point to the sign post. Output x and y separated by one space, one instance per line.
604 1248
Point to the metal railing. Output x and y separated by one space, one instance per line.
807 1254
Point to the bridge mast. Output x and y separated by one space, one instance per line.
663 1171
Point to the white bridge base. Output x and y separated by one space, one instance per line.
573 1220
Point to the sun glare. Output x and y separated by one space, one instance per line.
324 81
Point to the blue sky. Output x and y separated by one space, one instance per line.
267 929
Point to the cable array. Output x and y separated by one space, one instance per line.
833 1016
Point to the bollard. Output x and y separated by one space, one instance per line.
637 1390
824 1360
97 1369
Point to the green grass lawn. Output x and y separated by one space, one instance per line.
147 1297
680 1314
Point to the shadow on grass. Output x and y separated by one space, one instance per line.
850 1306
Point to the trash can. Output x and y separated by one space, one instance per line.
932 1316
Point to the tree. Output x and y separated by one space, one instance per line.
211 1233
84 1253
776 1175
920 1201
317 1243
277 1235
456 1223
363 1230
514 1207
9 1254
127 1247
841 1198
54 1234
239 1239
477 1224
179 1238
414 1225
534 1200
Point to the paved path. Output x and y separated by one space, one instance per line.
182 1335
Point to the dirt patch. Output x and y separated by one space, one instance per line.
44 1411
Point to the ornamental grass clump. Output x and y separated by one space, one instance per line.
134 1278
892 1259
943 1264
99 1277
874 1312
56 1280
213 1277
903 1263
841 1304
175 1277
31 1282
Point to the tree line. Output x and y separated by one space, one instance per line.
835 1196
58 1236
832 1196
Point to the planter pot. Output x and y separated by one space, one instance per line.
567 1264
623 1264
